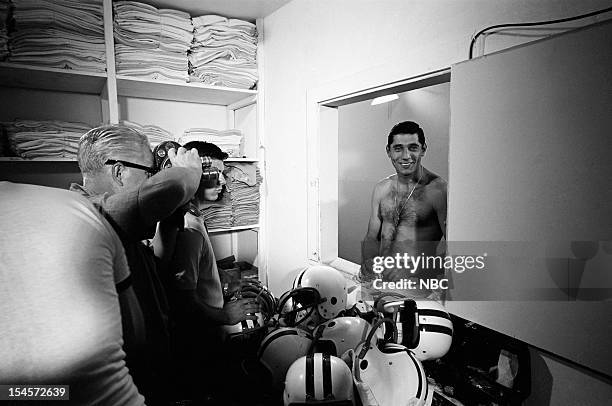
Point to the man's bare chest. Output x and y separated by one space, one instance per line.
401 209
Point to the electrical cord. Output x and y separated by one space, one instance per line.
562 20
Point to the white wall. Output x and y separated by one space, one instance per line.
363 161
309 43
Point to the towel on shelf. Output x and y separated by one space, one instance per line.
224 52
65 34
151 42
230 141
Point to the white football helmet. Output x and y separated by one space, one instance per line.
341 334
320 379
435 330
388 374
280 348
423 325
331 286
267 303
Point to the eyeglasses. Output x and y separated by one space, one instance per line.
148 170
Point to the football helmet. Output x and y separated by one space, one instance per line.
423 325
341 334
388 374
331 286
267 303
280 348
320 379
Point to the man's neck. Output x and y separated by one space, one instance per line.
96 186
414 177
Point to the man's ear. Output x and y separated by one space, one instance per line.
117 173
423 149
388 150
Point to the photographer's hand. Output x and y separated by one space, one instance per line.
185 159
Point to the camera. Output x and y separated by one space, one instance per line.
210 174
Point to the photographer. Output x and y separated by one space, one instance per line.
118 177
195 289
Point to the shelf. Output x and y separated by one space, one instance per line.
241 160
243 9
176 91
63 80
232 229
19 159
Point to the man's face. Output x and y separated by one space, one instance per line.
405 153
133 177
212 194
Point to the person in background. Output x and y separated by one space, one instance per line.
195 288
408 211
62 270
118 177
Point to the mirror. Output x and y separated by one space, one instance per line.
362 160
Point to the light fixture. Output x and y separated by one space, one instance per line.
384 99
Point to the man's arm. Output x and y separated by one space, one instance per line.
439 204
369 246
136 211
232 312
164 241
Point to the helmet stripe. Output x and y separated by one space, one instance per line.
327 380
433 312
434 328
310 389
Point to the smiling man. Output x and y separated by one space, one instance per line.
408 214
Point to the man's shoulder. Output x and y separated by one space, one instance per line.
382 187
435 181
385 182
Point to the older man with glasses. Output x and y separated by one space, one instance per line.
118 177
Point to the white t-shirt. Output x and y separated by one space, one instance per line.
59 311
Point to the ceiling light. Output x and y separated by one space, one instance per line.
384 99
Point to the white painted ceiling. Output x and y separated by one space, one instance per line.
243 9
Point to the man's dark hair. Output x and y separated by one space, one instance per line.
406 127
207 149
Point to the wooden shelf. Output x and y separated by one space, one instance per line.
63 80
19 159
241 160
253 227
177 91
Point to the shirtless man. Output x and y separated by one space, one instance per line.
408 208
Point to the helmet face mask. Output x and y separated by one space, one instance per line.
298 308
